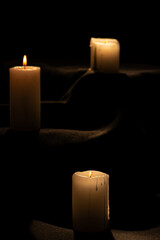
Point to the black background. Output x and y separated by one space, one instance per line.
62 30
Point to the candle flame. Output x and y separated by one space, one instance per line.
90 174
24 60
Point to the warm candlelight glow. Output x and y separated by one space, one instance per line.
90 174
25 97
104 55
24 60
90 201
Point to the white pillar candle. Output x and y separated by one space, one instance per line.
24 98
90 201
104 55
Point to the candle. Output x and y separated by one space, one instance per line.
90 201
104 55
24 97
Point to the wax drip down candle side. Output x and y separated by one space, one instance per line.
90 201
104 55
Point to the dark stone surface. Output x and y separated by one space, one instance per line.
43 231
108 123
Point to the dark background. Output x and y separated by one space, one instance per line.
62 30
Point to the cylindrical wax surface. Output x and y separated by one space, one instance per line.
90 201
104 55
25 98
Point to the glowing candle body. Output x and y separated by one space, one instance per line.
104 55
90 201
25 98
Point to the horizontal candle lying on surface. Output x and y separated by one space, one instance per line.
104 55
25 98
90 201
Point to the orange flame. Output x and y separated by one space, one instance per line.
90 174
24 60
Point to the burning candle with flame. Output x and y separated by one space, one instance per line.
24 60
90 201
90 174
24 97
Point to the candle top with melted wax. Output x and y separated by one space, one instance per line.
26 68
91 174
104 41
